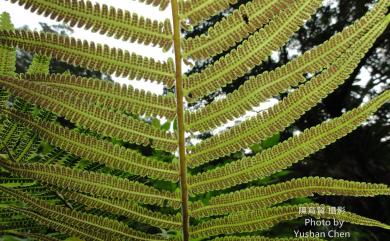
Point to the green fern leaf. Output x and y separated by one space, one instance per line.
110 95
105 20
39 65
102 120
33 236
251 52
286 153
28 144
80 53
263 219
261 197
16 223
126 208
96 184
94 225
7 54
268 84
9 134
93 160
161 3
98 150
16 182
198 10
233 28
289 109
7 57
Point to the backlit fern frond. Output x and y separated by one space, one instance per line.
5 22
33 236
161 3
96 184
11 181
96 226
10 133
197 10
251 52
7 54
57 225
110 95
102 120
86 226
25 229
261 197
263 86
101 151
28 145
289 109
39 65
90 159
90 55
286 153
263 219
129 209
16 223
105 20
4 96
232 29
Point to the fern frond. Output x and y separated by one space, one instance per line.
286 153
12 216
128 209
17 139
33 236
37 190
5 198
263 219
251 52
28 145
94 183
197 10
12 221
87 181
56 155
288 110
233 28
16 181
97 226
99 229
105 20
261 197
109 94
7 213
5 22
90 55
104 152
268 84
7 54
161 3
32 228
15 223
4 96
261 238
39 65
9 134
102 120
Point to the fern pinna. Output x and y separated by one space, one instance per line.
93 177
